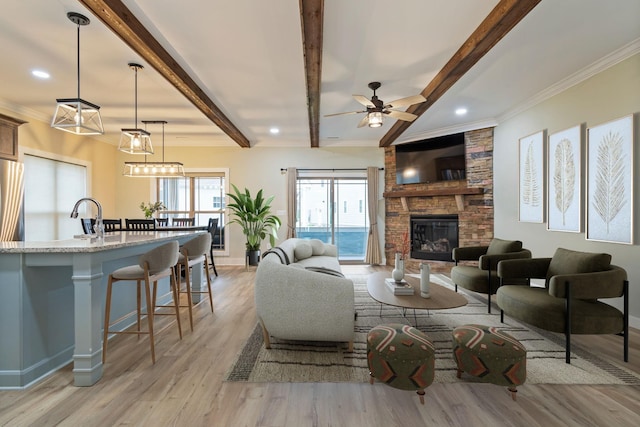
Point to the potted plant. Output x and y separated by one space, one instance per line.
255 217
150 208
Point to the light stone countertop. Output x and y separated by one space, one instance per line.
112 240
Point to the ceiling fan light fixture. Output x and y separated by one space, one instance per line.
75 115
376 118
134 140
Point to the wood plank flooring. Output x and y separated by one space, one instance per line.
185 387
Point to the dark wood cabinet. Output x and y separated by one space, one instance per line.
9 137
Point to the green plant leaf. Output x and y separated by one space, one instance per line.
254 217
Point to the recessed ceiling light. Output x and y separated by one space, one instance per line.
274 131
40 74
461 111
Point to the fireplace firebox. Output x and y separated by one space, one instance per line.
433 237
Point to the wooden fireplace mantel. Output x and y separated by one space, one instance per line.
458 193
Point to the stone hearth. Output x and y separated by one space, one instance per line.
475 211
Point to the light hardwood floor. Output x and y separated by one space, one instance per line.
185 387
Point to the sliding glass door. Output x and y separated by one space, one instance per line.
334 210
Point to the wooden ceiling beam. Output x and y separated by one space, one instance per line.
116 16
312 17
495 26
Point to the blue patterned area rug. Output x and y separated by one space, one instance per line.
303 361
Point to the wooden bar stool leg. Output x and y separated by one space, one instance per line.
139 305
187 277
107 309
206 272
176 300
150 319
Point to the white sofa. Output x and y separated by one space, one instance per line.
301 294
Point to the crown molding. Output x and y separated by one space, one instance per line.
463 127
24 112
608 61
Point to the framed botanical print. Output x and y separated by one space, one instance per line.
609 203
531 183
564 160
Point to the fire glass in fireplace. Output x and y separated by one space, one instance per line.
433 237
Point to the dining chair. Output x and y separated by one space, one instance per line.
192 253
140 224
212 228
162 222
183 222
152 266
112 224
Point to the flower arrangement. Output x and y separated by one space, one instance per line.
403 247
150 208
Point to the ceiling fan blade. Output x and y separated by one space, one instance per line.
401 115
363 100
405 102
364 121
347 112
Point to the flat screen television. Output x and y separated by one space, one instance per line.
431 160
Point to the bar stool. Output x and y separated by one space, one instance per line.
191 253
153 265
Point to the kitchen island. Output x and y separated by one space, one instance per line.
52 302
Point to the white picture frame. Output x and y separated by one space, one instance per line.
609 202
564 180
531 178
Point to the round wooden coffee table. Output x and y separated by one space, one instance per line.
441 297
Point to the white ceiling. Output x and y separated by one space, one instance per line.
247 56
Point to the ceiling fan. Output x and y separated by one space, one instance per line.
377 109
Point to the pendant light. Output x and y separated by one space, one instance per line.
75 115
135 141
154 169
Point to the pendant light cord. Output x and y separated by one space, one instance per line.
135 125
162 142
78 61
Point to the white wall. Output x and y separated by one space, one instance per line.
256 168
609 95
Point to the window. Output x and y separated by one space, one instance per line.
200 195
51 188
320 215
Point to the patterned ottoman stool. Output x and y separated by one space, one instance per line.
493 356
401 357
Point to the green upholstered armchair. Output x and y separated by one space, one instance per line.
569 302
483 277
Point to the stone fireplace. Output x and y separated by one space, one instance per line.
471 200
433 236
